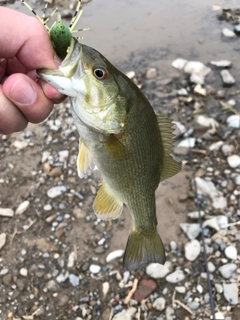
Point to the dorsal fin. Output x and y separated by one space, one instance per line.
170 167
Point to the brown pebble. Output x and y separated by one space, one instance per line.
183 197
144 289
62 299
55 172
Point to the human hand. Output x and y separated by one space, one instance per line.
24 47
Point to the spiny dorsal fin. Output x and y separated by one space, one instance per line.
169 166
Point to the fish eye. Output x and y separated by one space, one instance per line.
100 73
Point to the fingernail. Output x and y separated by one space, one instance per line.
22 92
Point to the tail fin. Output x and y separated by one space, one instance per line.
142 248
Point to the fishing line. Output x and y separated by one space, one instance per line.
197 202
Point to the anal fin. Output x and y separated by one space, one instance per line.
85 163
169 166
106 206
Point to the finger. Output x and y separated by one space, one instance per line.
28 96
32 45
50 92
11 119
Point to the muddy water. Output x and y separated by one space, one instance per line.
186 28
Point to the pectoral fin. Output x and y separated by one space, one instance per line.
170 167
106 206
85 163
115 148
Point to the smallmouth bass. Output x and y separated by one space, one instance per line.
120 133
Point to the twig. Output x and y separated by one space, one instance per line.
184 306
111 314
131 292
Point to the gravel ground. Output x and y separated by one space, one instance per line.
58 261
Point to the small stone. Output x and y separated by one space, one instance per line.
179 63
216 145
228 33
234 121
218 287
79 213
52 286
22 207
45 156
63 154
194 305
62 277
226 149
158 271
231 252
114 255
219 316
196 67
175 277
6 212
227 78
74 280
144 289
180 289
105 288
227 270
47 207
200 90
173 245
237 29
233 161
151 73
222 63
211 267
55 172
23 272
208 122
56 191
170 315
159 304
20 144
192 250
3 238
131 74
192 230
94 268
125 314
71 259
187 143
230 291
195 215
62 299
199 288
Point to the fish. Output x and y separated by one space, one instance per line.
121 135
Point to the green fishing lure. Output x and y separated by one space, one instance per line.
59 33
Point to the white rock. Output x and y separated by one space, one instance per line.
227 270
159 304
74 280
237 180
94 268
199 288
151 73
170 314
22 207
227 78
175 277
226 149
63 154
45 156
62 277
105 288
187 143
192 230
180 289
195 215
207 122
125 314
114 255
211 267
234 121
196 67
228 33
182 92
222 63
179 63
47 207
198 88
219 316
71 259
208 188
23 272
20 144
231 252
156 270
3 272
179 128
56 191
230 291
3 238
130 74
217 223
6 212
216 145
233 161
218 287
192 250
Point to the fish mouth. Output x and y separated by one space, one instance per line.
69 70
